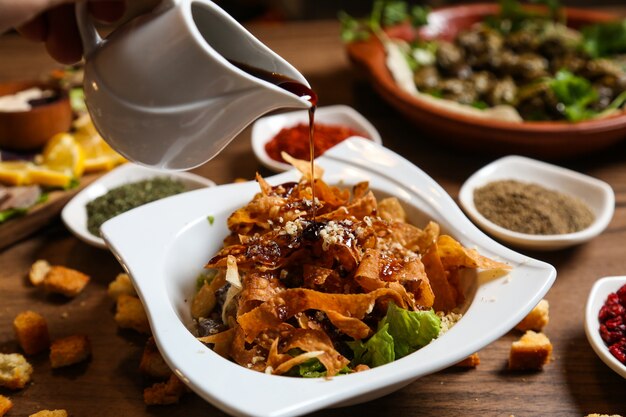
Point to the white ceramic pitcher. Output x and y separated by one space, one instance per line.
162 92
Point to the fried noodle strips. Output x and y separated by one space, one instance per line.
288 303
290 290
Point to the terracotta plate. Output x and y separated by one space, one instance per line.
540 139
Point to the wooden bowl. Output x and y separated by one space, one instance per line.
551 140
30 130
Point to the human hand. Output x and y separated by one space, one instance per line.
53 22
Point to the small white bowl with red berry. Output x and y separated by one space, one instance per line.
605 321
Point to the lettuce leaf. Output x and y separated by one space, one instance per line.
11 213
312 368
378 350
410 330
400 333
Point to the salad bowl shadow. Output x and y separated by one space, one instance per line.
545 139
164 254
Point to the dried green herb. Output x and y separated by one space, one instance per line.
126 197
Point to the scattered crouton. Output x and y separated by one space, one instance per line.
49 413
31 332
69 350
5 405
531 352
472 361
38 272
66 281
537 319
152 363
121 285
131 315
163 393
602 415
15 371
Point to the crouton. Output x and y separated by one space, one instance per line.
472 361
69 350
537 319
48 413
131 315
15 371
163 393
5 405
38 272
121 285
66 281
602 415
31 332
531 352
152 363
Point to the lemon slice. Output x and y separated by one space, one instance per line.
63 153
50 177
99 156
14 172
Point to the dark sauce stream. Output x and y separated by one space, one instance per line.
301 90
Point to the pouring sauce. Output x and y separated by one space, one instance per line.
301 90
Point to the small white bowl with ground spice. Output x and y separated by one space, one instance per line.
289 132
535 205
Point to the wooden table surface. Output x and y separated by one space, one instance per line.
575 383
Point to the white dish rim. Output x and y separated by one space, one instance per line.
597 296
74 215
260 135
537 242
525 287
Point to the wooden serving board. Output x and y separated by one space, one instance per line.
18 228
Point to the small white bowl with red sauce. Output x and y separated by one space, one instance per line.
596 301
331 122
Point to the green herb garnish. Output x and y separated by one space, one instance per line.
211 220
575 94
604 39
513 16
385 13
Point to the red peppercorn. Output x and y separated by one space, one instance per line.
619 350
609 336
621 294
610 311
612 317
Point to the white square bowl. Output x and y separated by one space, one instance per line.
164 246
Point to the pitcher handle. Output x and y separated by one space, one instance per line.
89 35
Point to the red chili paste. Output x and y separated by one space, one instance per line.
612 318
295 140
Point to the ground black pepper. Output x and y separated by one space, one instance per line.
531 208
121 199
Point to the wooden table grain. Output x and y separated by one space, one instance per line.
575 383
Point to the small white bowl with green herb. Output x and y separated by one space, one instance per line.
124 188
